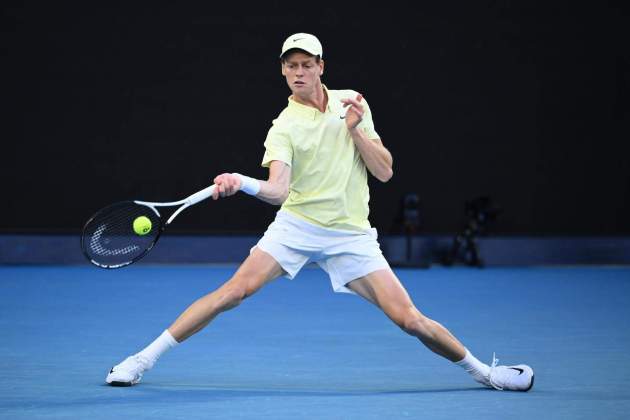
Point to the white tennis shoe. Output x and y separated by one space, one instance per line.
129 372
509 378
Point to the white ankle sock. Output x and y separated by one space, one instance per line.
473 366
153 351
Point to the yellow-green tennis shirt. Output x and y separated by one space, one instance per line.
328 177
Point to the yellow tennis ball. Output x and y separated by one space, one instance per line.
142 225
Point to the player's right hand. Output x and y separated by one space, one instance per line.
227 185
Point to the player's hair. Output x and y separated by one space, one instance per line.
284 56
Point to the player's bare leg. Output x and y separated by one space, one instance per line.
256 271
384 290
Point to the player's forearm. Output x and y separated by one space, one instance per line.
272 192
376 157
275 190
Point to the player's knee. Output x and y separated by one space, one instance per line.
416 324
231 296
235 291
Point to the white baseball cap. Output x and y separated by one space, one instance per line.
306 42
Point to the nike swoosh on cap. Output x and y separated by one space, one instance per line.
520 371
297 39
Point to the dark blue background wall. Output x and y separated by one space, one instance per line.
528 103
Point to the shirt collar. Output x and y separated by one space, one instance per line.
308 111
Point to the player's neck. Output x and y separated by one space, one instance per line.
317 99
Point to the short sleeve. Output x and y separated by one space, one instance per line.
367 124
277 147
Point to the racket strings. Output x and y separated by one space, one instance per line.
109 239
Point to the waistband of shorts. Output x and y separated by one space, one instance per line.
313 228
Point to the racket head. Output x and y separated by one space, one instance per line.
109 240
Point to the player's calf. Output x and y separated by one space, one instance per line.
431 333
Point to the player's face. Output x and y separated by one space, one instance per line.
302 72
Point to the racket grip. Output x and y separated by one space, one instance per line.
200 195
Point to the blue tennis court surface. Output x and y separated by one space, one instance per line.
297 350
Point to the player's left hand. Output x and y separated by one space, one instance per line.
354 114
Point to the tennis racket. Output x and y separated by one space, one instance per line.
110 239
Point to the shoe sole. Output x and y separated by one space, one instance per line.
116 383
531 384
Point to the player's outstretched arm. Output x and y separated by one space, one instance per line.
274 191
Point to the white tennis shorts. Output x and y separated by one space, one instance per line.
344 255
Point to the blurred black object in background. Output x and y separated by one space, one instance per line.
409 222
479 212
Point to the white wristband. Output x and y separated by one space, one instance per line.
249 185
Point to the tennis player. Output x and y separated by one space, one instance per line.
318 152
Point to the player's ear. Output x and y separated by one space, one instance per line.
284 73
321 66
